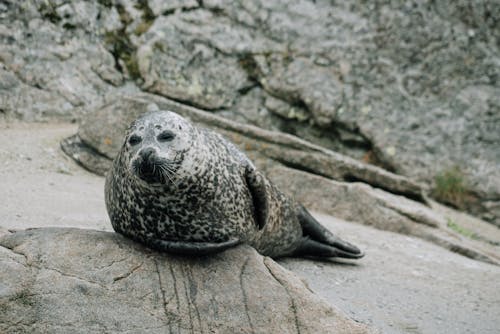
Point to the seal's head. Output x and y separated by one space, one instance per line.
155 146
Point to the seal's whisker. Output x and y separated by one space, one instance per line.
169 168
166 173
161 174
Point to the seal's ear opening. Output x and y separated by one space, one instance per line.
256 185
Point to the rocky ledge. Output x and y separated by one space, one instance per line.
320 178
410 86
62 280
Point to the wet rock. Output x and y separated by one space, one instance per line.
83 281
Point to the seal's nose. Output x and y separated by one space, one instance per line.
147 153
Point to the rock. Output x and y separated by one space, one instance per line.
21 100
300 79
405 285
3 232
175 64
355 201
359 202
315 176
53 60
83 281
413 99
85 155
103 129
407 86
160 7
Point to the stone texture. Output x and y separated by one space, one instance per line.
175 62
371 80
315 176
160 7
412 83
362 203
102 133
84 281
53 60
405 285
408 86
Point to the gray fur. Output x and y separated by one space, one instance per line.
196 189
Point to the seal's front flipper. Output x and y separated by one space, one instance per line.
309 247
191 247
317 232
257 186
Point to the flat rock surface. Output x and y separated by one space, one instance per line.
403 285
62 280
41 186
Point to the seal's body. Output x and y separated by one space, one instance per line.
183 189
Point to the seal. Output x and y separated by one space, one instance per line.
184 189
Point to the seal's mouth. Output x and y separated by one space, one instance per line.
149 174
153 170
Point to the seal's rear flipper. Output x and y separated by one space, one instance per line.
322 236
191 247
309 247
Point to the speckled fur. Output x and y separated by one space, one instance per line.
206 197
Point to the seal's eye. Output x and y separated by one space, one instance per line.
134 140
166 136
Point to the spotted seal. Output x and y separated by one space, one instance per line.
184 189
